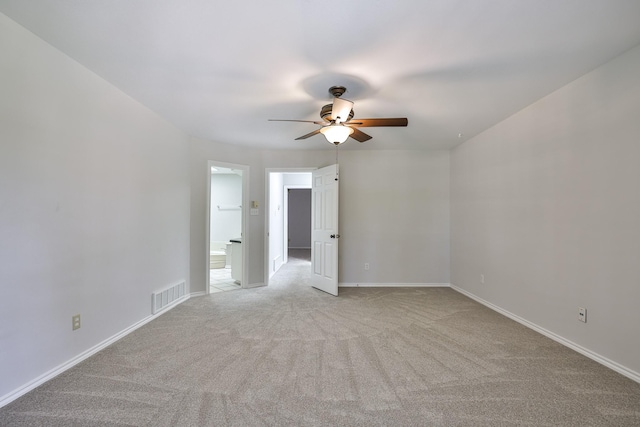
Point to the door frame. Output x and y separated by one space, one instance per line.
267 209
243 228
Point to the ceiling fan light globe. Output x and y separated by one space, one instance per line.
336 134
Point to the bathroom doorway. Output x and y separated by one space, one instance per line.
288 218
226 243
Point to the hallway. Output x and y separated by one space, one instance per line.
296 272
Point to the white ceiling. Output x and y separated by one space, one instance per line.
220 69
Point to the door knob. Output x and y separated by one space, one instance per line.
335 236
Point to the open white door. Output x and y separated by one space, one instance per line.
324 229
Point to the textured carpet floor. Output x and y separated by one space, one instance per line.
292 355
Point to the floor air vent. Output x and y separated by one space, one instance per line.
163 299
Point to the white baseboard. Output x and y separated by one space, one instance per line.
198 294
13 395
635 376
393 285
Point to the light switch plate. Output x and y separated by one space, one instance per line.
582 314
75 322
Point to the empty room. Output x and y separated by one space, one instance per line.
465 253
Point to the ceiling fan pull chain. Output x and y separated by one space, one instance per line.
337 168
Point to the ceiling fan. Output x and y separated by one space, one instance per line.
337 120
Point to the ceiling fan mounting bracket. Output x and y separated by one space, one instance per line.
337 91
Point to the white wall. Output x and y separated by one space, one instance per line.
394 210
94 208
297 179
394 215
547 206
226 192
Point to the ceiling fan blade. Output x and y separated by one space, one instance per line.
340 110
303 121
359 136
310 134
378 122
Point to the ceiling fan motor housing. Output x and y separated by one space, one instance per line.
325 113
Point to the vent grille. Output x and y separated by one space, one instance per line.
168 297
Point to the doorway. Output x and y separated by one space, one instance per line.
226 243
288 214
297 227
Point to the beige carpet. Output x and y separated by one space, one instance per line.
292 355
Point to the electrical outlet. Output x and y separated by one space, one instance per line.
582 314
482 279
75 322
366 265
